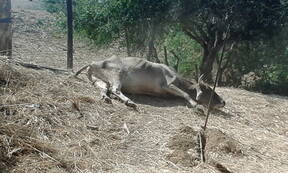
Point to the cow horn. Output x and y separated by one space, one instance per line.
200 79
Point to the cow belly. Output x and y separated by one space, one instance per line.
140 87
145 80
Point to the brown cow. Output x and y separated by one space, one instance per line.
139 76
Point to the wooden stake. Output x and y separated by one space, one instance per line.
5 28
70 34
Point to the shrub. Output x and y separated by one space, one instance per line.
54 6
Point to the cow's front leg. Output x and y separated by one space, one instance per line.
116 90
174 90
104 87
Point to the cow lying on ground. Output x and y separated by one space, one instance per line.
139 76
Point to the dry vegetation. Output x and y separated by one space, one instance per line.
54 123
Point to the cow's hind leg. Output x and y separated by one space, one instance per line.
116 90
174 90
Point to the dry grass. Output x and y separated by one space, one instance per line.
53 123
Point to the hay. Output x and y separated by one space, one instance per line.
17 141
11 80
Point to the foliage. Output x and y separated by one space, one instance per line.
214 23
268 59
106 21
189 51
54 6
275 79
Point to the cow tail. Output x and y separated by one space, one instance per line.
82 69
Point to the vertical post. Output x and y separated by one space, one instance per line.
127 42
166 56
196 72
5 28
70 34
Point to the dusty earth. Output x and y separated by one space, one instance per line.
54 123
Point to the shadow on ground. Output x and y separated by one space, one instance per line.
157 101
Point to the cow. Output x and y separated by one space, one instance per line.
134 75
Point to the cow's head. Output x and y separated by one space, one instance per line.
204 93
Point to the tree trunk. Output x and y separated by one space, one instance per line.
206 66
166 56
152 51
127 42
220 80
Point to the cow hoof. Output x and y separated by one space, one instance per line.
106 100
192 105
130 104
200 111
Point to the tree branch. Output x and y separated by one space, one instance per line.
177 61
166 56
193 36
40 67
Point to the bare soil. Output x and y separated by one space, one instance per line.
54 123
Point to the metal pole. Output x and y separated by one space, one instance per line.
70 34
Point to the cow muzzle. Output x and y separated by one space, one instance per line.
221 105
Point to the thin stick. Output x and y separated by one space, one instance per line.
216 80
201 134
212 94
201 146
202 154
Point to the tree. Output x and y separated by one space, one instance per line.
212 23
139 22
216 23
183 53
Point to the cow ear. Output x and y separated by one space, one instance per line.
170 78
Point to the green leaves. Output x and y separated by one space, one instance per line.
184 47
246 19
54 6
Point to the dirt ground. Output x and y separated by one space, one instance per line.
53 123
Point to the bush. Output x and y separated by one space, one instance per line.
54 6
267 58
274 80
